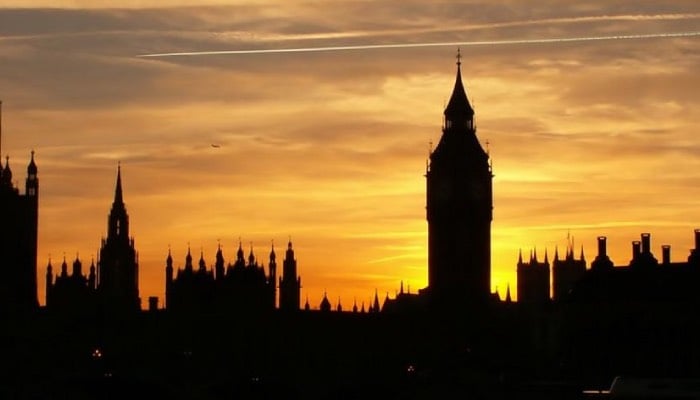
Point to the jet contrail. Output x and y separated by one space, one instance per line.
429 44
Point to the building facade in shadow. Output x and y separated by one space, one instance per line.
19 214
459 203
110 287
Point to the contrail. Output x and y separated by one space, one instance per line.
429 44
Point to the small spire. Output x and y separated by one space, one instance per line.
556 253
459 57
508 298
31 168
118 196
401 290
546 259
583 258
520 256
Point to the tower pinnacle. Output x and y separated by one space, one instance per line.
118 197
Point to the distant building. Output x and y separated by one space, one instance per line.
19 214
533 280
566 272
643 280
111 286
239 286
118 268
72 293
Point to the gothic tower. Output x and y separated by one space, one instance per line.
118 270
290 283
272 278
18 240
459 209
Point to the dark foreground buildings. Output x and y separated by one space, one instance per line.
234 329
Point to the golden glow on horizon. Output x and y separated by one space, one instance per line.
591 138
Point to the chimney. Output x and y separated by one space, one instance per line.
666 254
602 246
646 243
635 249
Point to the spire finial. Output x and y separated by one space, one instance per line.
459 57
118 196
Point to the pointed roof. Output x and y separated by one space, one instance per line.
31 168
508 298
325 303
273 256
202 263
459 106
188 259
240 254
118 197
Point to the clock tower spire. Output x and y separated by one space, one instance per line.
459 209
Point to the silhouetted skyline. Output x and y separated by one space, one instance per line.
575 131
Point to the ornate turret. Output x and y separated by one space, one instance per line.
49 281
7 174
92 276
290 283
32 183
272 278
459 113
202 263
219 265
325 303
188 261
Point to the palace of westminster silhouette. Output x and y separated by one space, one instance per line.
237 320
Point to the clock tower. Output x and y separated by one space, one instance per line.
459 209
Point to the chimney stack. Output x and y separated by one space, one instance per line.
646 243
602 246
666 254
636 245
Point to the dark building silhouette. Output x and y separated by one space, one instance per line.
290 282
243 287
220 335
71 293
566 272
533 280
459 209
111 286
117 266
644 279
19 214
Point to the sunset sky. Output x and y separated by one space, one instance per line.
587 138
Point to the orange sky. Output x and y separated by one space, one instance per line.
592 138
